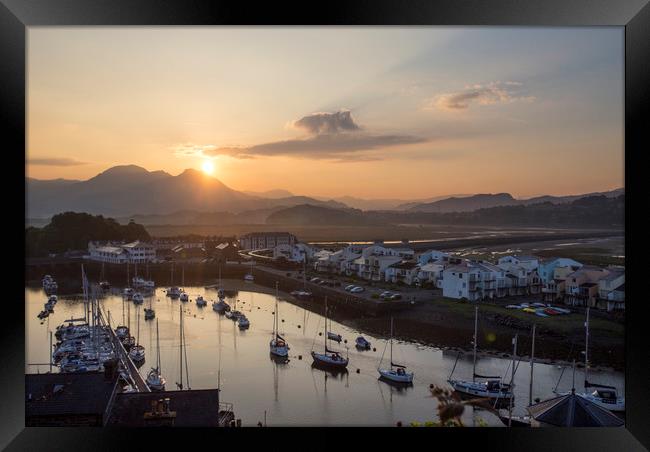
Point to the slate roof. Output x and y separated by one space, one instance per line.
195 408
67 393
572 410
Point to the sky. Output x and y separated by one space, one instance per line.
371 112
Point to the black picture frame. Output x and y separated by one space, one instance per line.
634 15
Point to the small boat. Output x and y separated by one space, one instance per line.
249 276
138 298
52 299
184 297
515 421
43 314
335 337
149 313
174 292
490 387
362 343
220 306
397 373
127 293
539 305
128 342
329 358
233 315
524 305
105 286
278 345
530 310
540 313
200 301
136 353
551 311
243 322
49 307
155 380
122 332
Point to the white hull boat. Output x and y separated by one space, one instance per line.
396 375
137 353
331 359
155 381
184 297
200 301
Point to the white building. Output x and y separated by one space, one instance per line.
473 281
121 253
432 273
405 272
294 253
431 256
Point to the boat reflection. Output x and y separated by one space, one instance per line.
335 372
395 384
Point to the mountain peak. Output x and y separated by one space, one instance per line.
124 169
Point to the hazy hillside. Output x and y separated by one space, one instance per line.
132 190
594 211
466 204
307 214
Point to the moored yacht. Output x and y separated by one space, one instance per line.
138 298
184 296
155 380
396 373
329 358
200 301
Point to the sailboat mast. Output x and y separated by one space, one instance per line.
158 364
326 323
475 341
275 318
127 274
512 378
587 345
391 343
181 344
532 362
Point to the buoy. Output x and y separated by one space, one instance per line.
374 349
320 334
299 357
399 423
345 341
298 326
283 320
358 371
431 386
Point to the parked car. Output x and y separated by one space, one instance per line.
314 280
322 282
385 294
357 289
395 296
349 287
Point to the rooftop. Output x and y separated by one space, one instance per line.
194 408
573 411
67 393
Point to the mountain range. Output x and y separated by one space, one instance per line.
192 197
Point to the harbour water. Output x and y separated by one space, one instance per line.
294 393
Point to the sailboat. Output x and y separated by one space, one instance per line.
489 387
149 312
233 314
173 291
183 295
200 301
155 380
329 358
103 284
243 322
122 331
304 293
183 349
136 353
128 291
521 421
603 395
399 373
220 306
128 341
278 345
249 276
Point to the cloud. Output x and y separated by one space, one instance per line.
492 93
330 136
54 162
326 123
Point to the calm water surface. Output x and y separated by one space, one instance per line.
293 393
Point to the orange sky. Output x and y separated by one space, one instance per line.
369 112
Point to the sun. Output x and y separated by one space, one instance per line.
208 167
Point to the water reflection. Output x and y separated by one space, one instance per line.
291 391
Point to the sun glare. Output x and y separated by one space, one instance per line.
208 167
